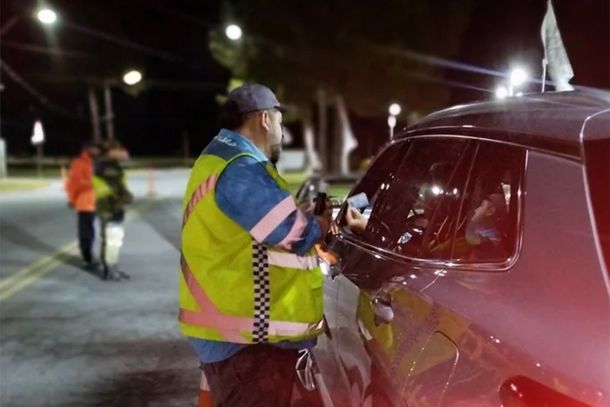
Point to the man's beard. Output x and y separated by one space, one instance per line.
275 152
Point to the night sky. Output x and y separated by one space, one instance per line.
98 40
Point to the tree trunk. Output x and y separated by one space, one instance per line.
345 138
322 129
313 164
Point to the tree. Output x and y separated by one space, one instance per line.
306 49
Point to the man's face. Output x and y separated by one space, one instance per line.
275 136
483 212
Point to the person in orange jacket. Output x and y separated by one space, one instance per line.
81 197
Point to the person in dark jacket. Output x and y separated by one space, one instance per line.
112 196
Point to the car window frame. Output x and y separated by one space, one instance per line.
446 264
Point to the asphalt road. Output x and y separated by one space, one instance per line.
69 339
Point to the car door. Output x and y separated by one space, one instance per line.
340 347
376 299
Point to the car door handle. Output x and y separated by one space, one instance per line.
382 308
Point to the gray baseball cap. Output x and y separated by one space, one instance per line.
252 97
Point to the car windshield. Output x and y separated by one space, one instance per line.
597 157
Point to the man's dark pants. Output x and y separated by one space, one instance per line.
258 375
86 234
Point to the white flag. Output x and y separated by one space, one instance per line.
348 142
555 55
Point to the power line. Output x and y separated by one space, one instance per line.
30 89
129 44
40 49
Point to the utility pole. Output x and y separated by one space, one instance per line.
109 116
95 117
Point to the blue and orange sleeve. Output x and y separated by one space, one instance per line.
246 193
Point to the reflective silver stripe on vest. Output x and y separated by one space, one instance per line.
290 260
202 190
262 294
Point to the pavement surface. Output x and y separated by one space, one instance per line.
68 338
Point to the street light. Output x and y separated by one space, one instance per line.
233 32
501 92
46 16
516 78
132 77
394 110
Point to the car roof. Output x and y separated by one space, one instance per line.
550 121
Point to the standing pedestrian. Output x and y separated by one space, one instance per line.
251 289
112 197
81 197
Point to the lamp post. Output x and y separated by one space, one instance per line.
130 78
37 141
394 110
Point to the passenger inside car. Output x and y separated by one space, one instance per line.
483 237
485 230
485 224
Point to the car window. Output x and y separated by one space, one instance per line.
486 230
448 199
381 173
415 203
405 203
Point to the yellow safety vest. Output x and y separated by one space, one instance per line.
232 288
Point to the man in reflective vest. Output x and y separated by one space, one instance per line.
112 196
251 289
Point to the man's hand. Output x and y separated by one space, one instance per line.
325 220
355 220
307 207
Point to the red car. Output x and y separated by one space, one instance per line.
481 277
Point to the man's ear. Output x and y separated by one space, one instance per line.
265 120
491 211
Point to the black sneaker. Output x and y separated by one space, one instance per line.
90 266
123 275
114 274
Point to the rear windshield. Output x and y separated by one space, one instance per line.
597 164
